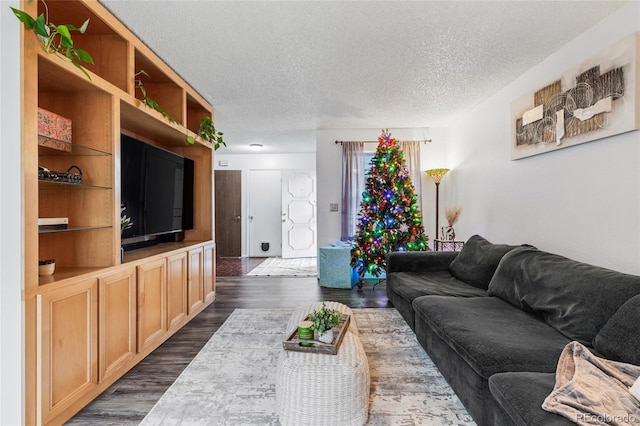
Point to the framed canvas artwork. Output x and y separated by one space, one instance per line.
597 99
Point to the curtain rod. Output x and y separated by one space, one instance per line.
341 142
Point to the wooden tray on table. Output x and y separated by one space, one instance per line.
293 343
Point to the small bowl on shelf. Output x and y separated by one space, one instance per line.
46 267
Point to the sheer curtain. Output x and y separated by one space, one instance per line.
352 187
412 158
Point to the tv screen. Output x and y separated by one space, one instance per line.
156 191
163 181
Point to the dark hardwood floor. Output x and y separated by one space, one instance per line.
128 400
236 266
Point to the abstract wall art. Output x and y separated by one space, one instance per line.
597 99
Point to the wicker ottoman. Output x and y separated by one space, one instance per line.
320 389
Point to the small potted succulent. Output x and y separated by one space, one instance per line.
324 320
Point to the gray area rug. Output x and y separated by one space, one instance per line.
232 380
290 267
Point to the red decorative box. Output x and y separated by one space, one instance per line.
54 130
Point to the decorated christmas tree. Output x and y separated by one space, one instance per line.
389 217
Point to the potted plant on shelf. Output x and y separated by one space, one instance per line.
324 320
125 223
207 131
56 38
146 100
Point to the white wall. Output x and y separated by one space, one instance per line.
582 202
11 244
329 172
246 162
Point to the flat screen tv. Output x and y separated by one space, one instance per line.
156 193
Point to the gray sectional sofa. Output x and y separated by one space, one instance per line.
495 318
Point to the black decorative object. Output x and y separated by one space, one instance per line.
61 177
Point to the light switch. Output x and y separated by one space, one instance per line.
333 207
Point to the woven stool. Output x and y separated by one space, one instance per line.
321 389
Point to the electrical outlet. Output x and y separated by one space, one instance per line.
333 207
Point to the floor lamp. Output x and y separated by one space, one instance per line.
437 175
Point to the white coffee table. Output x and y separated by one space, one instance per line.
321 389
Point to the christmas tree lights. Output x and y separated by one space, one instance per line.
389 217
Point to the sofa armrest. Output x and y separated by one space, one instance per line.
419 261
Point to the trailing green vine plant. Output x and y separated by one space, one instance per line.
56 38
147 100
207 131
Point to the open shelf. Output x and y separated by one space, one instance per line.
59 75
108 49
64 272
195 113
71 229
161 249
48 184
69 149
148 124
160 87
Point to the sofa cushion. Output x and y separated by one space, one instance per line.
521 395
477 261
619 339
403 287
491 335
575 298
410 285
419 261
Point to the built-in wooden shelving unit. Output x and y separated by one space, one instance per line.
98 315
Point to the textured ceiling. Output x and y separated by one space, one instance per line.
277 71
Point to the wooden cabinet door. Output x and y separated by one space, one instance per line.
196 280
152 303
117 302
67 350
177 290
209 273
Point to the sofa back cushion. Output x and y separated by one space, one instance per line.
619 339
575 298
477 261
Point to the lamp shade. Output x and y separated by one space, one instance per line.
437 174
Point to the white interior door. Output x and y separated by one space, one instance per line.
264 213
299 215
